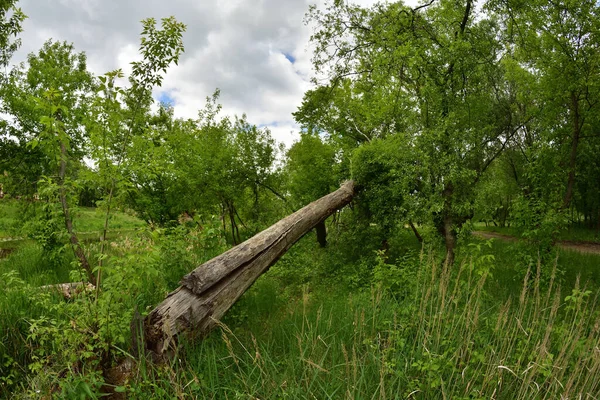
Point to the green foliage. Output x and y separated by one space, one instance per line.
459 114
92 329
496 192
440 114
125 145
46 227
236 161
9 217
38 219
550 162
391 190
446 337
310 168
159 48
11 19
54 81
399 278
435 125
20 274
540 221
13 296
183 248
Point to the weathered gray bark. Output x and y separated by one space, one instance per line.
211 289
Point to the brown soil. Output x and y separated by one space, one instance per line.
582 247
494 235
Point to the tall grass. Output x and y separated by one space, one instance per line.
419 330
449 340
9 214
35 266
512 260
25 269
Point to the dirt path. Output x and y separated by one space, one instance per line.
11 239
582 247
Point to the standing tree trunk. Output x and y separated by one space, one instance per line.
62 194
574 144
445 223
448 221
321 230
415 231
211 289
449 239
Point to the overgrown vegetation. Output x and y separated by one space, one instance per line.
449 119
306 328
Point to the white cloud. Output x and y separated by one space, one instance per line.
238 46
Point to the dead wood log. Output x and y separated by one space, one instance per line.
211 289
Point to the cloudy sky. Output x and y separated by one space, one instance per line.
255 51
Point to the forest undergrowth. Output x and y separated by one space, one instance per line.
388 325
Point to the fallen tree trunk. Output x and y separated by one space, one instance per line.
211 289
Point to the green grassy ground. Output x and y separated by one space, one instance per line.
575 234
9 212
452 337
513 259
319 325
85 219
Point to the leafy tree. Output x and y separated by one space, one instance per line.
203 167
433 75
222 167
497 190
119 124
256 154
587 199
150 171
11 19
58 69
60 114
554 63
56 143
48 102
392 184
122 115
310 168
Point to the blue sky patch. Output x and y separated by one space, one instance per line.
273 124
166 98
290 57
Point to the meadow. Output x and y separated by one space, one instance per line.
321 323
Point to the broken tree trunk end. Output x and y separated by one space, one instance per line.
211 289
